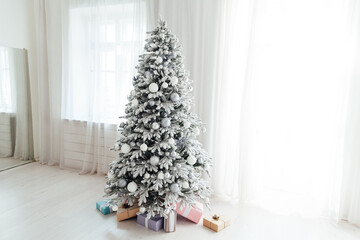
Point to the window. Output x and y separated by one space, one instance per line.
104 44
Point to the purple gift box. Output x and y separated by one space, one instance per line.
154 223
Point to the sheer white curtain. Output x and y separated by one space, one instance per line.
101 44
281 105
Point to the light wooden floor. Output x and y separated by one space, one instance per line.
42 202
9 162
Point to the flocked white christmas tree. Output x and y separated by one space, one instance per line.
160 160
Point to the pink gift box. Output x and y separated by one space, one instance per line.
193 212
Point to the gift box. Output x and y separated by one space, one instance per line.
104 206
216 223
193 212
154 223
170 222
125 211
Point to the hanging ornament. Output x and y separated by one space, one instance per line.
160 175
191 160
174 97
143 147
171 141
132 144
134 102
147 175
155 126
142 209
165 122
122 182
185 184
125 148
158 60
173 154
186 124
153 87
174 187
174 80
191 175
154 160
132 186
164 85
167 175
151 103
133 164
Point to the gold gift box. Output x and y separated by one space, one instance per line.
125 211
216 223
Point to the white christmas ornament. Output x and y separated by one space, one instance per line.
185 184
122 182
131 187
186 124
155 126
154 160
114 208
167 175
174 80
161 175
174 187
153 87
164 85
171 141
143 147
142 209
165 122
134 102
159 60
125 148
147 175
174 97
191 160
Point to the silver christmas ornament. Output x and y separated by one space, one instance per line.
174 80
174 188
142 209
151 103
191 160
147 175
174 97
164 85
160 175
159 60
171 141
132 164
185 184
165 122
153 87
167 175
125 148
155 126
154 160
132 187
173 154
122 182
143 147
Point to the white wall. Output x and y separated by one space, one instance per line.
17 29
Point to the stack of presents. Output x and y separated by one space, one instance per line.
192 213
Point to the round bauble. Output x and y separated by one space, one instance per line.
174 80
134 102
143 147
185 184
132 186
114 208
191 175
122 182
125 148
132 164
155 126
174 187
142 209
186 124
191 160
132 144
171 141
200 161
164 85
173 154
154 160
167 175
174 97
151 103
158 60
146 175
153 87
161 175
165 122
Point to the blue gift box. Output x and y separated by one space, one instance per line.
104 206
